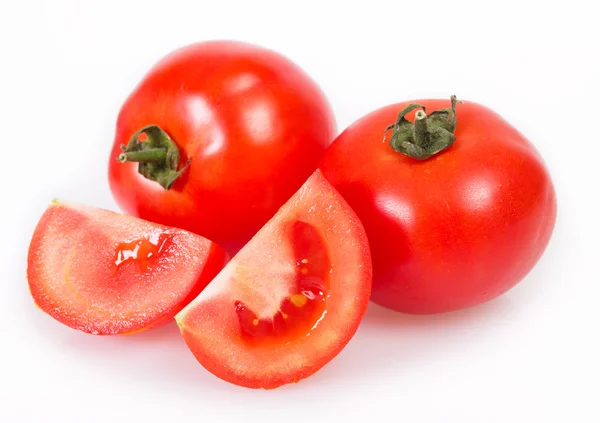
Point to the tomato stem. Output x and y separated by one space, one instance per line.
154 155
158 156
428 135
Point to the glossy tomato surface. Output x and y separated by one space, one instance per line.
290 300
252 124
105 273
452 231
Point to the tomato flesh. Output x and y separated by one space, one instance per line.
105 273
290 300
142 251
306 302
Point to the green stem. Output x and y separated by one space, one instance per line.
428 135
154 155
420 128
158 156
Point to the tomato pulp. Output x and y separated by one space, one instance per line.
105 273
290 300
452 230
225 132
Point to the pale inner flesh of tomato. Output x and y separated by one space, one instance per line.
279 295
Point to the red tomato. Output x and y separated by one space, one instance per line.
251 123
449 231
105 273
290 300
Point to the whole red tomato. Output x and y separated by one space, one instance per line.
224 133
458 206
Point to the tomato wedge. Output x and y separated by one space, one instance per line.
106 273
290 300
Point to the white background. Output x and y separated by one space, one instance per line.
531 355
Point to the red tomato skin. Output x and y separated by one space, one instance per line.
453 231
253 124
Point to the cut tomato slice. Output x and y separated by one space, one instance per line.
290 300
106 273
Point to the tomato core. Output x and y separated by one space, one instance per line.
305 306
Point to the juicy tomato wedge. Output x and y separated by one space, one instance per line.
106 273
290 300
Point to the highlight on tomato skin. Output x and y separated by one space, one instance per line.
290 300
105 273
